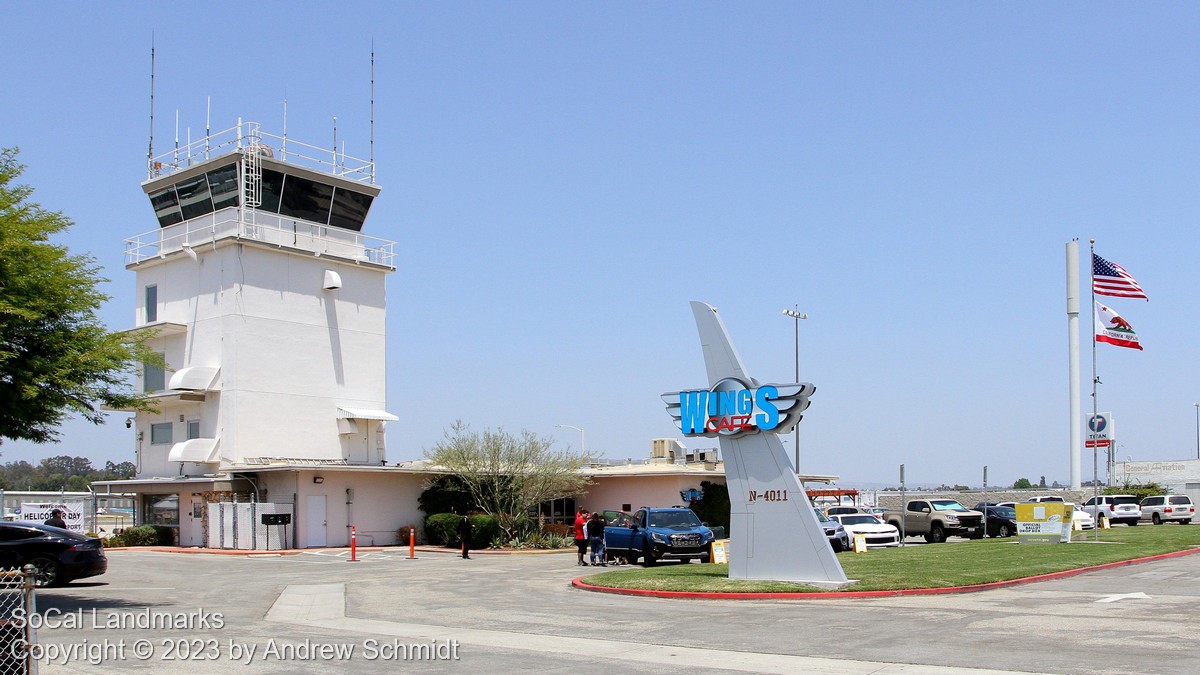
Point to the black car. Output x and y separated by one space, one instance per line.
60 556
1001 520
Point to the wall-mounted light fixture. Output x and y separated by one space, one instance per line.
128 422
318 479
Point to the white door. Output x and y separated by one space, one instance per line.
314 517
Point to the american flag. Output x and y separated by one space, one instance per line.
1109 278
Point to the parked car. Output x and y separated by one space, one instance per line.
655 534
60 556
877 534
1162 508
838 539
1117 508
876 511
1001 520
836 510
1046 498
1085 519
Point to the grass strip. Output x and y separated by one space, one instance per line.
928 566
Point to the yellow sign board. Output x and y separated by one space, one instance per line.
719 554
1044 522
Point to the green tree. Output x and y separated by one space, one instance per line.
1139 490
56 356
713 507
1022 484
508 476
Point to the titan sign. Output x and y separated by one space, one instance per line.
732 407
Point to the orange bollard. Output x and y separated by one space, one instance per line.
353 543
412 543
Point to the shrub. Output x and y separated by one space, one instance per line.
442 529
560 530
166 535
1139 490
484 529
139 535
402 535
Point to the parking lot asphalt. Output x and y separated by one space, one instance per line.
318 612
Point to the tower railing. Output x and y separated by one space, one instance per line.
241 135
268 229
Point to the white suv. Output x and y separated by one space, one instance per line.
1168 507
1116 508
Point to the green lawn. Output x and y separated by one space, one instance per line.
930 565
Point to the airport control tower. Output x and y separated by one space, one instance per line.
267 301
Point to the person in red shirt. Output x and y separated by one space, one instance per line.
581 540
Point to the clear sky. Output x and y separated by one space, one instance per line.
562 178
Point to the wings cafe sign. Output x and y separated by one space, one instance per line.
733 407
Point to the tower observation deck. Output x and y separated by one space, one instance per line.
244 185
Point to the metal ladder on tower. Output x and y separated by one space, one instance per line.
251 181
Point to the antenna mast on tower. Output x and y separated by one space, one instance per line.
372 159
150 148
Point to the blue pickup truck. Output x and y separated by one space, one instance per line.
674 533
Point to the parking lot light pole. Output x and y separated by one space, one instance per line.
797 316
1197 405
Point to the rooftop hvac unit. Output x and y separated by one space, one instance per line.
666 448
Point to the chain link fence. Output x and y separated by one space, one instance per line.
17 604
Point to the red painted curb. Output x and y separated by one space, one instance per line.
579 583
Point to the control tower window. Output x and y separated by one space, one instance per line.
194 197
272 187
166 206
223 185
306 200
349 209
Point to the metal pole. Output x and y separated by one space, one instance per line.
1197 429
903 505
985 501
797 316
796 344
1095 404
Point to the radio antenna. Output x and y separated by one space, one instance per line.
372 110
150 148
284 153
207 125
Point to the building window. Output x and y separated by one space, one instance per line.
160 434
193 429
151 303
154 378
160 510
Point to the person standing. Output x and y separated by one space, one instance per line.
464 535
56 519
581 541
595 531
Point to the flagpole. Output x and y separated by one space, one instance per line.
1095 404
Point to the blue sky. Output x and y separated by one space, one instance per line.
562 178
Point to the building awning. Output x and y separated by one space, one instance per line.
195 378
202 450
366 414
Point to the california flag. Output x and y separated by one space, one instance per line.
1114 330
